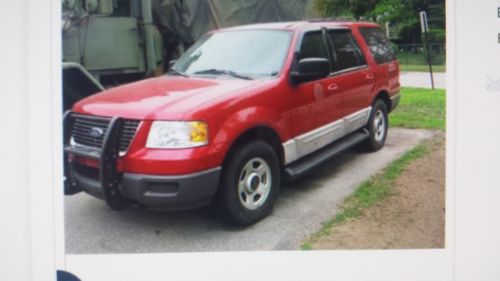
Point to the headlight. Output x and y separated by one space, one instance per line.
177 134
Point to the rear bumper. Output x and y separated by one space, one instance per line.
177 192
395 101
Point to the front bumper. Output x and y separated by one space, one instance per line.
172 192
121 189
177 192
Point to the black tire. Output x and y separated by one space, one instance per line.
251 169
377 126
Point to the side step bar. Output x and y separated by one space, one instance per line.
302 166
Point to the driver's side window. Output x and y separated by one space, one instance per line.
313 46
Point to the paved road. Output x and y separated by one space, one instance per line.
303 205
422 80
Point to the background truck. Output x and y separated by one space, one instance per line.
111 42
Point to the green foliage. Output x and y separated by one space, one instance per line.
306 246
402 15
334 8
437 35
404 18
343 8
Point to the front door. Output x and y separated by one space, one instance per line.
314 105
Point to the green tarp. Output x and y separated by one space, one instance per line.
186 20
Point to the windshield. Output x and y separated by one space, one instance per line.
243 53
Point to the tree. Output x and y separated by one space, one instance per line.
342 8
333 8
402 15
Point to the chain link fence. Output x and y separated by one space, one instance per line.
416 54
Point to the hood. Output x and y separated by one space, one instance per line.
162 98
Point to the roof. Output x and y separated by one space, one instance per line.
299 25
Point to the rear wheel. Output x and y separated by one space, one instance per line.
377 126
250 183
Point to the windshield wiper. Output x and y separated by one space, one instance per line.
177 72
223 71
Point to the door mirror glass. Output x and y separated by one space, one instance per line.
310 69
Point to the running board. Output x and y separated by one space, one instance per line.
301 166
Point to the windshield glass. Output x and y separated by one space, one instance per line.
251 53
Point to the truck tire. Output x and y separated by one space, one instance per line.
377 126
250 183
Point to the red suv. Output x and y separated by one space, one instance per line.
242 108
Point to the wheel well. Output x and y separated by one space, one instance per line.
263 133
384 96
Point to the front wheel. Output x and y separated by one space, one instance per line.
377 126
250 183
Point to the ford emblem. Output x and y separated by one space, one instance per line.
96 132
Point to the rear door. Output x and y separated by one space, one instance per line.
353 77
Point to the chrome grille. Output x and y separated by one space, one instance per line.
81 130
127 134
83 125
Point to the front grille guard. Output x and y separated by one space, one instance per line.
108 158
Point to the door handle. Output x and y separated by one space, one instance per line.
392 67
370 76
332 87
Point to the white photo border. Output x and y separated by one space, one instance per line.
45 105
45 137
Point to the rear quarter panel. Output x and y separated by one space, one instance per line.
386 74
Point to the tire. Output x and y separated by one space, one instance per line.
250 183
377 126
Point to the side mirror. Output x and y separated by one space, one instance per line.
310 69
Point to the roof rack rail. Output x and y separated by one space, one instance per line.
331 19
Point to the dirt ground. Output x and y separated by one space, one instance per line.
412 218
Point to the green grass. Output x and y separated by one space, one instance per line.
422 68
368 193
409 58
420 108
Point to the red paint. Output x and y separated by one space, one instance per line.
232 106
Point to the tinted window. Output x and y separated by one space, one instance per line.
313 46
346 52
378 44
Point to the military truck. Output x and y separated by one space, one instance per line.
111 42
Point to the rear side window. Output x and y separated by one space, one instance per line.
378 44
346 52
313 46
